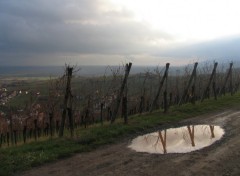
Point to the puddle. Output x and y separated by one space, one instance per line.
178 140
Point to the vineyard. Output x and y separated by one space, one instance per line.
74 102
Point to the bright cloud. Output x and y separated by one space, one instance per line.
188 19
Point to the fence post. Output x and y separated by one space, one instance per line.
229 75
119 97
193 76
213 75
160 88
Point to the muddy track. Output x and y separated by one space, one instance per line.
221 158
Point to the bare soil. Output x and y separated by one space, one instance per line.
221 158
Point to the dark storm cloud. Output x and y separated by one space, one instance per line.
89 31
43 27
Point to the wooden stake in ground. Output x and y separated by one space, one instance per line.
142 105
165 101
213 75
35 129
177 96
124 106
160 88
229 75
69 71
192 78
51 124
11 128
101 114
119 97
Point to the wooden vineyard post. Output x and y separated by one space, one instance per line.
119 97
86 118
231 81
141 106
229 75
165 102
193 77
237 84
212 79
214 88
70 113
35 129
24 133
177 96
8 138
1 140
15 136
160 88
69 110
11 129
51 124
101 115
69 71
124 104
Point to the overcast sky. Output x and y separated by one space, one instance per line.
92 32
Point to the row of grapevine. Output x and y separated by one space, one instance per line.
76 102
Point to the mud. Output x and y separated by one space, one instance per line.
221 158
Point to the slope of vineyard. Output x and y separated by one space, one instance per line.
44 120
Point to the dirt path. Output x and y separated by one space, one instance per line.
222 158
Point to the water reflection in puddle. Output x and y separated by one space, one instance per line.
178 140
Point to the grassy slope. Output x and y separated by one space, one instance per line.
19 158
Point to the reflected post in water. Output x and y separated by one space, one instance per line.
191 134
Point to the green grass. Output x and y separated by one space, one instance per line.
23 157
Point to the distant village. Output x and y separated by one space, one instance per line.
6 95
